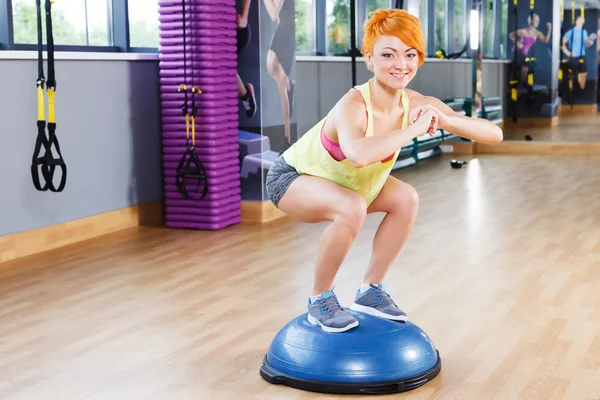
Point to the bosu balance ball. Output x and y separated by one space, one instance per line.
378 356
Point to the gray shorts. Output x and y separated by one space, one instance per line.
279 178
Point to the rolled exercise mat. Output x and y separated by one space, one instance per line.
198 49
198 56
222 150
203 226
203 119
213 16
200 23
178 72
197 8
180 133
223 187
203 130
229 3
214 166
175 217
210 173
203 211
212 181
204 203
207 111
226 140
202 40
200 80
207 34
201 48
199 65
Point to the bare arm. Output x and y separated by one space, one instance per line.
564 47
545 39
349 119
476 129
273 7
514 35
245 8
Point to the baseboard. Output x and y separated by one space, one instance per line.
458 147
578 109
260 211
509 124
38 240
524 147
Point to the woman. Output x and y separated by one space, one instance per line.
339 171
281 56
527 38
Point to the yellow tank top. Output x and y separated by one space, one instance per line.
309 156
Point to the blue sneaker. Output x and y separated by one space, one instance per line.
327 312
376 301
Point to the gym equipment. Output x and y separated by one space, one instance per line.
256 157
457 163
442 54
47 163
197 69
379 356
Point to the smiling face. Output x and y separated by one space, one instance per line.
393 62
393 46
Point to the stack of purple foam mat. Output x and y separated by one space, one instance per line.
210 41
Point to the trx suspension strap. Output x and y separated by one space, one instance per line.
46 162
530 61
516 73
442 54
190 167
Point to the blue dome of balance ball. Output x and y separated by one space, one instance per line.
378 356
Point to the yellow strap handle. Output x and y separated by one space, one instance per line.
531 4
51 116
40 98
573 12
562 10
582 11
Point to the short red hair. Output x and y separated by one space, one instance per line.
394 22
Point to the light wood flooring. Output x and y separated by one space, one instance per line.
579 126
502 271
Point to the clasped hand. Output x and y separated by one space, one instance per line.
428 117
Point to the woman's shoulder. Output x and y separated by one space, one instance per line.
415 98
351 103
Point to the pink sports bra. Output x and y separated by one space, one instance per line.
334 149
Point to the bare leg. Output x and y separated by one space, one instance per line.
241 88
582 80
312 199
524 72
401 203
283 84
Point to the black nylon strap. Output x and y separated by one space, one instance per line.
46 163
190 168
50 39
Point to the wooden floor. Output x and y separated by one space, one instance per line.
502 271
579 126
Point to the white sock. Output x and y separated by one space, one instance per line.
314 298
364 287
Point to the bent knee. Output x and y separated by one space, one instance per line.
272 63
409 200
352 213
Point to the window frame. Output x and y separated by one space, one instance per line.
118 25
